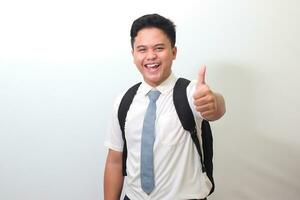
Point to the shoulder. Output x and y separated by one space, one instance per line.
191 85
191 88
117 101
129 92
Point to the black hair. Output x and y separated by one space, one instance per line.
155 21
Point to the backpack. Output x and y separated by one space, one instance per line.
187 120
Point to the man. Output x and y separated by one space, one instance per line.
176 166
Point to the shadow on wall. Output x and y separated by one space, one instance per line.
249 165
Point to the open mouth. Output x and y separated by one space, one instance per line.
152 66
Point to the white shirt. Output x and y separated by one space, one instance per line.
177 167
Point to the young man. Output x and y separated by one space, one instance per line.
176 169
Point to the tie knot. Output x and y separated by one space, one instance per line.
153 95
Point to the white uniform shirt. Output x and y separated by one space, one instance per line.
177 167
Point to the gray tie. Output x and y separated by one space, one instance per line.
148 137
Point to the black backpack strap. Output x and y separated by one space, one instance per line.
122 113
187 120
207 144
185 113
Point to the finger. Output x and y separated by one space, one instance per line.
207 114
201 92
200 101
206 107
201 76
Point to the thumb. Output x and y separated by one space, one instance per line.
201 76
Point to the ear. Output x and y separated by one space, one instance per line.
174 52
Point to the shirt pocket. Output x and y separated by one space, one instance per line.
170 130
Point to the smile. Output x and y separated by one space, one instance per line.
152 66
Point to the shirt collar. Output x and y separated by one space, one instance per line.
164 87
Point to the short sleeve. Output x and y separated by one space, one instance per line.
114 138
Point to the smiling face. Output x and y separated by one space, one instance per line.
153 55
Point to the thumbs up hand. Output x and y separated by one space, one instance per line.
205 100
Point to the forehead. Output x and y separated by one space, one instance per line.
151 36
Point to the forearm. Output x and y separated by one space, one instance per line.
113 180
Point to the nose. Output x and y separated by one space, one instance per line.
151 55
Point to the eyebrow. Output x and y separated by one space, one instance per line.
141 46
144 46
160 44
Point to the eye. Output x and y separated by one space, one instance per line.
159 49
142 50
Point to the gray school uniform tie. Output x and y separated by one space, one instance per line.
148 137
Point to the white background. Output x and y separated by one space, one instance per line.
63 62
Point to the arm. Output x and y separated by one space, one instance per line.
113 177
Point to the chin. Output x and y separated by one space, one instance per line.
152 82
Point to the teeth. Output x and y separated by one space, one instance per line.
151 65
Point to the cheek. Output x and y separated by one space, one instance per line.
138 59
